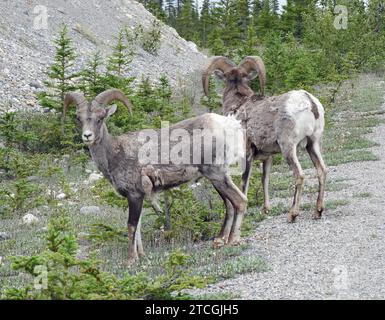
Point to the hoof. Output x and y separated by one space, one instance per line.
234 241
318 214
291 217
266 209
218 243
130 262
132 259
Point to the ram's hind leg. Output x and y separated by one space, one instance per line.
238 200
135 205
246 174
313 147
223 236
290 154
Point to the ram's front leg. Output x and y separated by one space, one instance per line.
135 205
265 183
139 244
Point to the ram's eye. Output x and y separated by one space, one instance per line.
99 120
78 119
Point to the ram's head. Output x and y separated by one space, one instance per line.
236 77
91 116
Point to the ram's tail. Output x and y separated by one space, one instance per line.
314 106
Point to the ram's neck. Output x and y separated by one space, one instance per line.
100 151
231 101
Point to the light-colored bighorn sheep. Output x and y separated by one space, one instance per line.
273 124
120 159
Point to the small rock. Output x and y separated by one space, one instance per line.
4 236
94 177
83 234
30 102
90 210
35 84
61 196
29 219
33 179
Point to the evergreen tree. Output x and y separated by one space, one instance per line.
267 19
217 46
294 14
243 17
118 65
147 97
249 46
256 8
91 77
225 20
205 22
60 73
156 7
121 56
170 11
376 15
188 20
275 6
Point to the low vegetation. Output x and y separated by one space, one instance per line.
44 171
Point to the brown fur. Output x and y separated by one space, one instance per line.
117 159
271 127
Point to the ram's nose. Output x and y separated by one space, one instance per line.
88 136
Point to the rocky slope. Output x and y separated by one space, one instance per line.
26 50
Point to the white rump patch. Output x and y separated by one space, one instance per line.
230 135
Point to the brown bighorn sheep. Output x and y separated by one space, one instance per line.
273 124
123 159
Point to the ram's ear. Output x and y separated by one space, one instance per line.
220 75
111 110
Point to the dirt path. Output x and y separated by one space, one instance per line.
341 256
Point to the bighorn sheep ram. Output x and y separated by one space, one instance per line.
273 124
120 159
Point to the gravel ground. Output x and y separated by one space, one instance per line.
342 256
26 48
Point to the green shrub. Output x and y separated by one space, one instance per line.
104 190
151 39
20 196
39 132
191 217
65 277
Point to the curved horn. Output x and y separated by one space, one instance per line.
216 63
108 96
255 64
73 98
